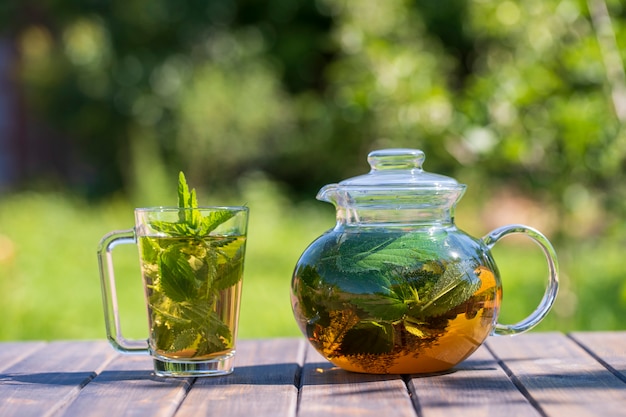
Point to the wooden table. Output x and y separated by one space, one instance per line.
536 374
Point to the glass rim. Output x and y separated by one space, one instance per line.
170 209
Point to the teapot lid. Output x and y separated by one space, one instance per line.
399 168
396 190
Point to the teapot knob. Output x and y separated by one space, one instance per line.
396 159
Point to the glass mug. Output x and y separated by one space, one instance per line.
192 266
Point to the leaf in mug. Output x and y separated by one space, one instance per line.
183 339
215 218
177 275
191 267
184 197
229 273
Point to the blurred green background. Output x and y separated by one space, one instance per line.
103 102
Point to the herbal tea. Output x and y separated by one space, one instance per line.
193 287
395 286
395 302
191 260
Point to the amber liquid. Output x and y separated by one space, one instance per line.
424 348
195 315
226 308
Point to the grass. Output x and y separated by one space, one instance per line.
49 284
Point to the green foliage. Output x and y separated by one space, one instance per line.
519 92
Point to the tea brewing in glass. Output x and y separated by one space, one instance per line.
192 266
395 286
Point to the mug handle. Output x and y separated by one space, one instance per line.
553 277
109 293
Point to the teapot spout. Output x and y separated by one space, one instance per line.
329 193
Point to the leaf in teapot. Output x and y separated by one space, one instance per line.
455 286
368 337
388 307
406 250
349 248
404 288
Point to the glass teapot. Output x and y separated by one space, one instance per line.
395 287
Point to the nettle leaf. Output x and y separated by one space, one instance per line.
455 286
150 249
404 251
184 196
214 219
214 334
191 222
218 334
169 228
229 273
184 338
162 335
187 266
177 275
368 337
389 307
352 254
194 217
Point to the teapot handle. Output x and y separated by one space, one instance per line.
553 277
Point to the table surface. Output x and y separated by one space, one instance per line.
536 374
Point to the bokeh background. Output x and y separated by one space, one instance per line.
103 102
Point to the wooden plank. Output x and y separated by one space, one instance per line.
476 387
50 378
607 347
560 376
13 352
264 382
329 391
128 386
